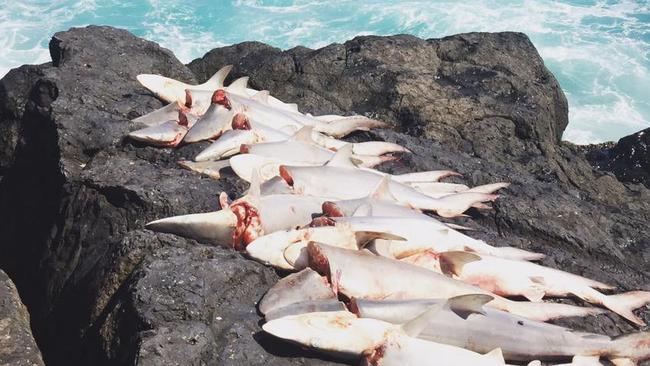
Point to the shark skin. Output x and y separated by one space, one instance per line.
342 180
287 249
299 287
516 278
244 220
465 322
353 273
380 343
423 234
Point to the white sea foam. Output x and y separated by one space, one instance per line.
600 51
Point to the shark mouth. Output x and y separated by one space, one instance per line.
248 226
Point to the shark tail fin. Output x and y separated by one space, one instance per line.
622 304
216 81
631 349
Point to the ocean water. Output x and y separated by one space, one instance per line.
599 50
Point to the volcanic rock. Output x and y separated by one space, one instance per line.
75 194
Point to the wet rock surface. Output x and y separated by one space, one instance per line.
628 159
17 344
75 194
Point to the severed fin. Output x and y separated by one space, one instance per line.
623 362
364 237
464 305
224 200
304 135
382 190
239 86
363 210
496 355
216 81
415 326
261 96
451 263
343 158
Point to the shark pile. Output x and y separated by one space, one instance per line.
375 277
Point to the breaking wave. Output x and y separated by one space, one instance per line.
598 50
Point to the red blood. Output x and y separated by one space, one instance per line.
284 173
248 226
188 98
322 221
331 209
182 119
244 149
240 122
219 97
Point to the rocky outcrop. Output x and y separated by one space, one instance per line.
628 159
17 345
74 194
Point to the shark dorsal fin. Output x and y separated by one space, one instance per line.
216 81
464 305
382 190
496 355
451 263
239 86
304 135
342 158
261 96
416 325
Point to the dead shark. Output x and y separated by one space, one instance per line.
465 322
353 273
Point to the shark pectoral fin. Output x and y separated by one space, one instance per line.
261 96
496 355
342 158
216 81
364 237
415 326
381 248
382 190
239 86
534 293
451 263
464 305
254 190
304 135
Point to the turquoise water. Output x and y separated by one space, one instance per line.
599 50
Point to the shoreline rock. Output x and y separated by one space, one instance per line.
74 194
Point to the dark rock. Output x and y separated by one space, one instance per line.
74 194
628 159
17 345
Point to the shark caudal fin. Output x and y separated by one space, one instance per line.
622 304
216 81
630 349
